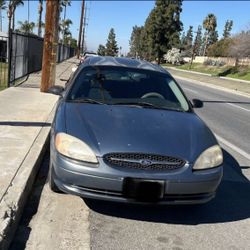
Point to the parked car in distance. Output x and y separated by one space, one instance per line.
124 131
86 55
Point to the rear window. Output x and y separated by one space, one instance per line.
112 85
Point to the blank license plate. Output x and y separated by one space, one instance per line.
143 189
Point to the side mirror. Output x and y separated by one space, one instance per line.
197 103
56 90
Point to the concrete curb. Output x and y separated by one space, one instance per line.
210 85
19 189
233 79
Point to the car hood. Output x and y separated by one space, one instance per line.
115 128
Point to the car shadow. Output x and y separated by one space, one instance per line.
25 124
231 203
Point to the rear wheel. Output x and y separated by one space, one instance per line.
52 184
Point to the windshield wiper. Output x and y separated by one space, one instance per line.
146 105
86 100
140 104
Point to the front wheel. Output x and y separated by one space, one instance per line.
52 184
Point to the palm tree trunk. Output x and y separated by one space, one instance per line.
9 23
1 20
9 15
64 24
205 46
40 10
13 19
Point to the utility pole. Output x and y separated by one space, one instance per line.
50 44
80 30
83 30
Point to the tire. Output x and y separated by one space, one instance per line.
52 184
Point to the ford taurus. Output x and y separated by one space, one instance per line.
124 131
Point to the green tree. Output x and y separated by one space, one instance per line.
13 4
213 38
182 41
144 45
64 26
189 37
2 7
111 45
188 42
203 43
220 48
198 41
227 29
148 37
39 23
26 27
101 51
72 42
162 28
210 24
64 5
136 42
240 46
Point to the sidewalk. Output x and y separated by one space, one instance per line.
25 119
236 86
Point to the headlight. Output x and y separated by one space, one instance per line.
210 158
74 148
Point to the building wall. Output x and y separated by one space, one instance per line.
230 61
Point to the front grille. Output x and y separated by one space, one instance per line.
143 161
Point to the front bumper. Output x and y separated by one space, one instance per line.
182 186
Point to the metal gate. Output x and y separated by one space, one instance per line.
26 52
3 62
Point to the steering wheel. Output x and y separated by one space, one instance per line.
153 94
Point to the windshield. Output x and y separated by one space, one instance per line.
127 86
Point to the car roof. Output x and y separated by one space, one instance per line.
123 62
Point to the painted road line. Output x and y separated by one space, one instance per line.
236 106
193 91
233 147
213 86
233 105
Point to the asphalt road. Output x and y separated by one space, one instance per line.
227 114
58 221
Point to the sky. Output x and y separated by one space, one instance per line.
123 15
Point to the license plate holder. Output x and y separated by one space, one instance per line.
143 189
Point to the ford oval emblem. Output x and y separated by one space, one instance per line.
145 162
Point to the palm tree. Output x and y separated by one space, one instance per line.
2 7
42 25
13 4
64 4
209 24
40 10
26 27
64 26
